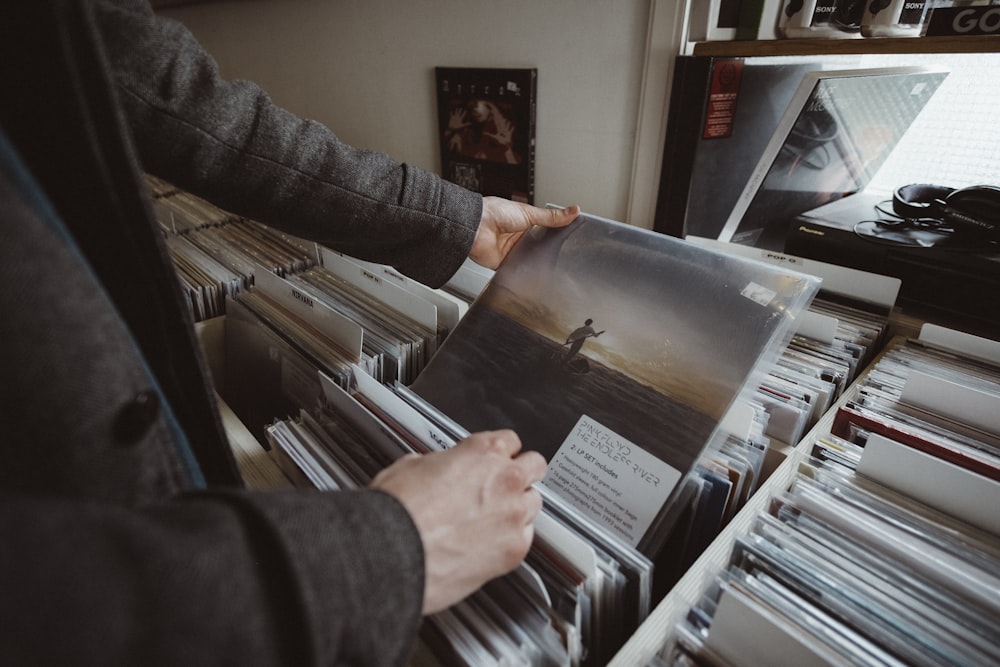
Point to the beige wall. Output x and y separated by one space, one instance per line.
365 68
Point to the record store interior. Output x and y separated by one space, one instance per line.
842 505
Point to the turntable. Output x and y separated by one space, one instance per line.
947 271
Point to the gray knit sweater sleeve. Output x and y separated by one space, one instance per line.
227 142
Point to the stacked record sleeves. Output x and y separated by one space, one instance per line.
816 368
845 327
294 305
402 329
836 338
318 359
885 546
317 356
326 318
574 601
217 254
588 581
284 331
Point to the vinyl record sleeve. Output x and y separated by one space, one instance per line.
615 352
836 132
486 124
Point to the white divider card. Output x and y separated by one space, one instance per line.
361 418
448 310
402 412
610 479
970 405
933 481
419 310
342 330
817 326
739 420
745 632
961 342
470 279
569 544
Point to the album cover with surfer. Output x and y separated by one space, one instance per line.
614 351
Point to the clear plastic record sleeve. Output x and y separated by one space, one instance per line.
615 352
837 130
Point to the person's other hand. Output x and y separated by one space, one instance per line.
474 506
505 221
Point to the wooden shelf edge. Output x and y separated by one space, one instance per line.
809 47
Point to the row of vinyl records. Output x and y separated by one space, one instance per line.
328 426
878 542
293 374
217 254
845 326
581 591
396 322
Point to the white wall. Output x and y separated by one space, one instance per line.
365 68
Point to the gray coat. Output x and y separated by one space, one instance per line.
125 534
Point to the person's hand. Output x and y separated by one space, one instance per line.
505 221
474 506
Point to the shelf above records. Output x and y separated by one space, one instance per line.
809 47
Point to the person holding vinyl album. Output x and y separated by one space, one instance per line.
128 536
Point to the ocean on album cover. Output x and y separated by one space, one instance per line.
521 382
675 331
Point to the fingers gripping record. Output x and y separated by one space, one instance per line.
474 506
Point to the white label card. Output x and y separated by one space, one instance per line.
970 405
612 480
758 293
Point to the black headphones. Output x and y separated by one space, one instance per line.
934 216
971 212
